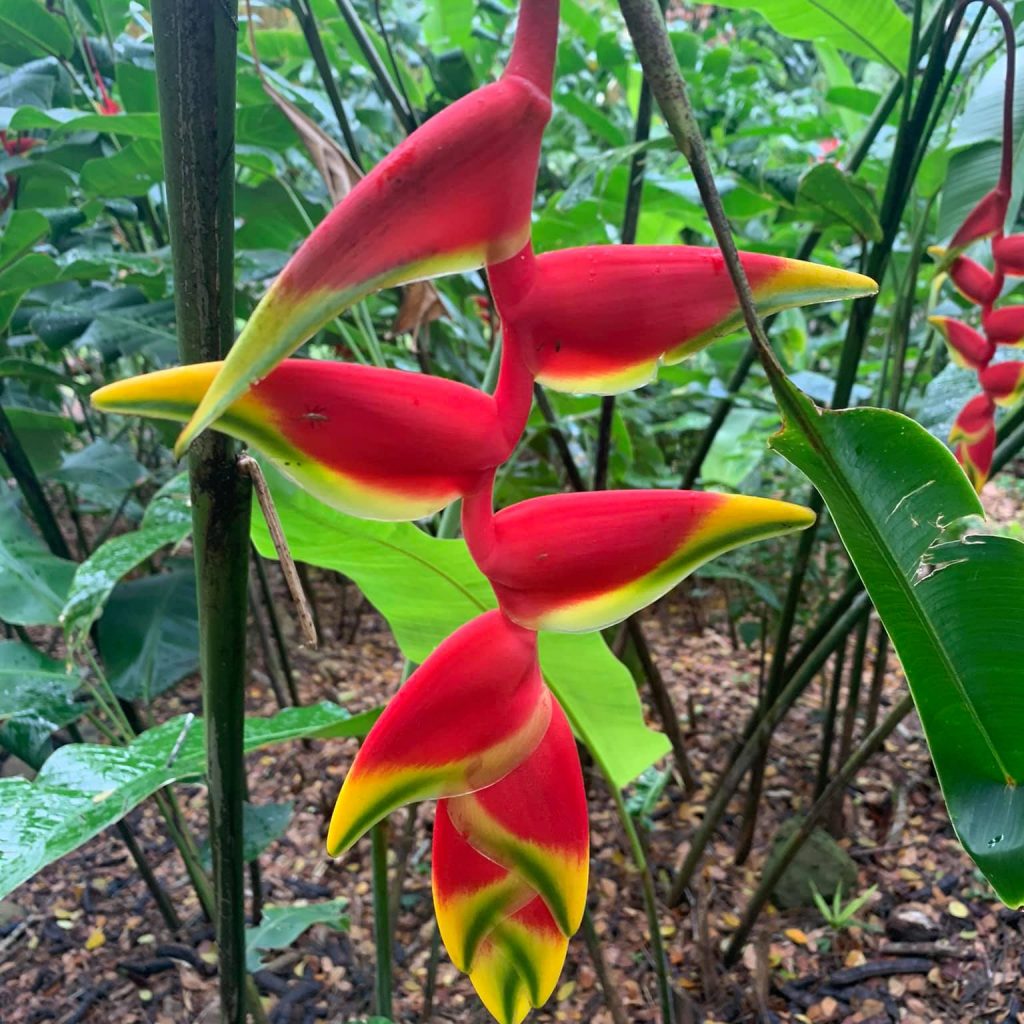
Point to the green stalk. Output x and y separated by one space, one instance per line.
381 919
31 489
196 49
636 846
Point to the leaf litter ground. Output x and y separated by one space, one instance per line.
84 942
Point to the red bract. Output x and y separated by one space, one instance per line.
381 444
1004 326
456 194
600 319
579 562
1009 254
1003 382
466 717
510 875
968 348
971 279
986 219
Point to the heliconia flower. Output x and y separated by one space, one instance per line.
475 709
974 438
968 347
986 219
578 562
1009 254
971 279
376 443
1003 382
454 195
1004 326
600 319
510 866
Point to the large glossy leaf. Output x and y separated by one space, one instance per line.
30 24
37 696
876 29
149 634
951 601
167 520
83 788
426 588
33 583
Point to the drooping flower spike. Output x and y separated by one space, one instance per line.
375 443
455 195
1009 254
579 562
600 319
510 866
473 711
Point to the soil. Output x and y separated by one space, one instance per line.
84 941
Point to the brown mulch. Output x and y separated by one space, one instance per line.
83 941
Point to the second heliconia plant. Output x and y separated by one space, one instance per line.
476 726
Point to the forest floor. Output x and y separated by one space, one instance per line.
84 942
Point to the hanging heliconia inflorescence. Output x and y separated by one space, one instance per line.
475 725
973 435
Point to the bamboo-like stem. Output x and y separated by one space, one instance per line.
381 919
264 641
744 759
275 628
877 678
829 731
800 836
636 846
558 439
31 489
662 702
376 65
196 48
430 987
604 979
630 222
307 22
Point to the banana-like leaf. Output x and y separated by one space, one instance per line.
950 599
83 788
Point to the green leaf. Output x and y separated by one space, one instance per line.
281 926
43 435
426 588
828 187
37 696
167 520
132 171
65 120
149 634
602 702
84 788
950 601
33 582
448 25
30 25
102 473
876 29
24 229
262 824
